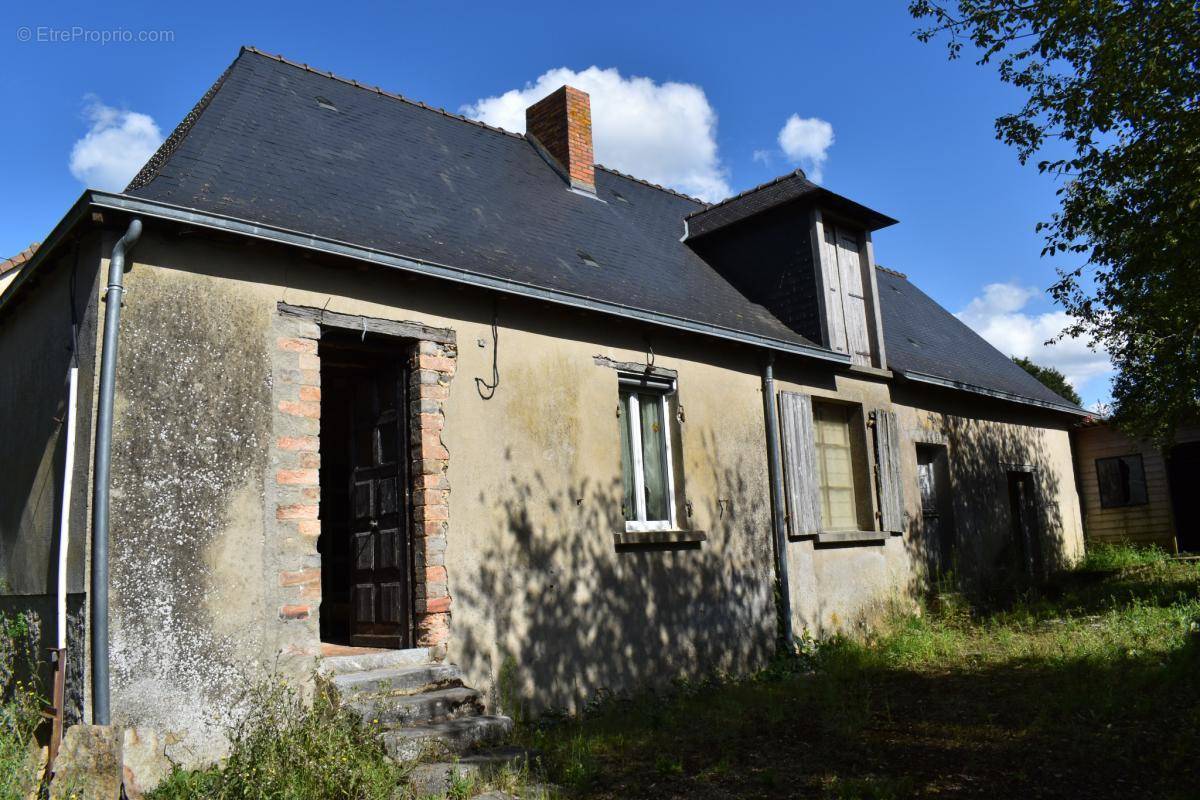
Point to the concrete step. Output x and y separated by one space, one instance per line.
440 777
451 737
370 660
398 680
393 711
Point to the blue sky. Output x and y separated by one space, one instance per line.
879 116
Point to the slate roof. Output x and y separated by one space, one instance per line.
920 336
393 175
280 144
784 189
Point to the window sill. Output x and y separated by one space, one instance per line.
624 538
846 537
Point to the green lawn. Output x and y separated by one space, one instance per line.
1090 690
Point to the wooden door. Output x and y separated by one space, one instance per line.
381 604
932 478
1023 508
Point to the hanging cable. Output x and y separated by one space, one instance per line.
488 390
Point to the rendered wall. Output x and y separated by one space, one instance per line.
540 593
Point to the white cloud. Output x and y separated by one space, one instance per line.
806 142
665 133
115 147
999 316
762 156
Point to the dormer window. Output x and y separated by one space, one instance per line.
850 317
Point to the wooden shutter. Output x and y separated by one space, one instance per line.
887 471
854 304
799 464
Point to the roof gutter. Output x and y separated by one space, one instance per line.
103 468
934 380
179 214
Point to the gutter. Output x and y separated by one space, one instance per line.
103 469
934 380
180 214
778 512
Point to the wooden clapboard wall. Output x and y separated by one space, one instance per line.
1143 524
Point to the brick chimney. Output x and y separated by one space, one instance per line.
561 123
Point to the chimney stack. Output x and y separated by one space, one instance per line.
561 123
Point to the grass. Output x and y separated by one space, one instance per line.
1090 688
1103 557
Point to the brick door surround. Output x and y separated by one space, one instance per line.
294 489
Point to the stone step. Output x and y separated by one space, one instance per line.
440 777
393 711
451 737
398 680
369 660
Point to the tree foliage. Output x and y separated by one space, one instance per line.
1051 378
1113 110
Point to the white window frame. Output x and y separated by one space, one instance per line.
663 388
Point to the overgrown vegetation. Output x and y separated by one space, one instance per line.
1101 557
1050 377
1087 689
1111 110
285 747
20 705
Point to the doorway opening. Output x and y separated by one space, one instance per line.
365 543
937 517
1026 537
1183 471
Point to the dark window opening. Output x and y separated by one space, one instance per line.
1122 481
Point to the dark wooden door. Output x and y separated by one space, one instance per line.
1023 507
381 585
932 521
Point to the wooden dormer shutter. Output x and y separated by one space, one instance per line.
799 464
887 471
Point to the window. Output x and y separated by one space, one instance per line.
1122 481
835 467
647 474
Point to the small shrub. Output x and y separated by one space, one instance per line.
284 747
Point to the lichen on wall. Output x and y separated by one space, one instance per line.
190 440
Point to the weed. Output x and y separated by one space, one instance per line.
285 747
20 705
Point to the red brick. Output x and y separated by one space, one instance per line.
297 511
429 497
309 460
433 449
309 443
297 476
430 422
308 361
439 363
431 513
297 345
312 410
295 612
309 527
300 577
311 393
435 575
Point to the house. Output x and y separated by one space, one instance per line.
1135 491
386 380
11 267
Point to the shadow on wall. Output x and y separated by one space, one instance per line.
570 615
1001 528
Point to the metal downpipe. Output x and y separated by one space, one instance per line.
103 468
778 519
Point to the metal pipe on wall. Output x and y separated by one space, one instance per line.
103 467
778 511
